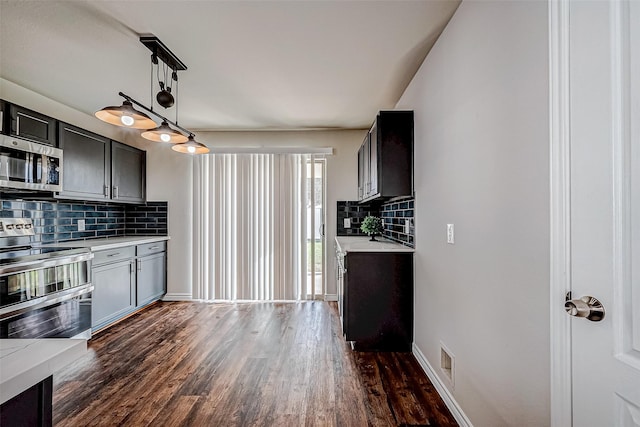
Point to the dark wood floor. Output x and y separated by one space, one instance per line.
246 364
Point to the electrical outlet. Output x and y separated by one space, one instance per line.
450 234
407 226
81 225
347 223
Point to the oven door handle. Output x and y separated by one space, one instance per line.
45 301
38 264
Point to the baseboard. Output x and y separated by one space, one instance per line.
177 297
444 392
331 297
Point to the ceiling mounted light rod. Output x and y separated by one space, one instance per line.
162 52
128 116
155 113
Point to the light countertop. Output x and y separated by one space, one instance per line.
111 242
26 362
348 244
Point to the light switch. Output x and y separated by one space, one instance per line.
407 226
450 235
81 225
347 223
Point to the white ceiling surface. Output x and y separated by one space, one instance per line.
251 64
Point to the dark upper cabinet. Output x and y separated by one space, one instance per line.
385 159
373 159
31 125
4 116
360 173
86 165
128 173
96 168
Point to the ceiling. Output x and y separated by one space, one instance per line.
296 64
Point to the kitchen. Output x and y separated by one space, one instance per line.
485 104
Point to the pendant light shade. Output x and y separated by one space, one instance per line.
191 147
125 116
164 133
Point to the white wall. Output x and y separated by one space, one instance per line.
481 147
342 168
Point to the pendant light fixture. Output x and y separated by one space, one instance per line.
125 116
168 131
191 147
164 133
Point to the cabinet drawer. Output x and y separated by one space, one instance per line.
151 248
112 255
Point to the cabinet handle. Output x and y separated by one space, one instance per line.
106 191
110 255
139 265
154 247
115 192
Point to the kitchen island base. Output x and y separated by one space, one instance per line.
32 407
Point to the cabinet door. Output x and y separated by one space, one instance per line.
128 173
152 278
361 173
366 170
4 116
31 125
86 164
373 160
113 293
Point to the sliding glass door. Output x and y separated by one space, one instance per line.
315 204
259 227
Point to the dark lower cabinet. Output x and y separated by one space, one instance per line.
33 407
377 300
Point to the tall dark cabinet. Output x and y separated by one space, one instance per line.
385 158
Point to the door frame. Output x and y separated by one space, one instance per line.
560 213
561 399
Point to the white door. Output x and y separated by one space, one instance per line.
604 209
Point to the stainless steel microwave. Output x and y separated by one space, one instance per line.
27 165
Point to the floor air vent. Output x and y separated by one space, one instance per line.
447 363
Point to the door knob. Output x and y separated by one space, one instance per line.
586 306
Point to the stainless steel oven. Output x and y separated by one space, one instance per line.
44 292
26 165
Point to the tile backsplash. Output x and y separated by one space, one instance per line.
399 221
356 212
394 214
56 221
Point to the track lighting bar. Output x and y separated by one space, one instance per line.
133 101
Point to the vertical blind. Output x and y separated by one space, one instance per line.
250 227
